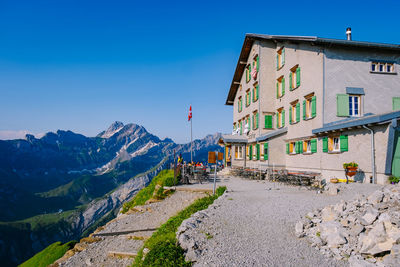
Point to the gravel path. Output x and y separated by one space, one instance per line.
253 225
96 254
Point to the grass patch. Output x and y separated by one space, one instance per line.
164 178
49 255
162 244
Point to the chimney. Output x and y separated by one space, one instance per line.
348 34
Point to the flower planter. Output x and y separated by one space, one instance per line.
351 171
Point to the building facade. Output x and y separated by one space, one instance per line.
312 104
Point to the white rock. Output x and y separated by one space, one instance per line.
369 216
299 229
354 261
375 197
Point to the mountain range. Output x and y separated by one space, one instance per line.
62 185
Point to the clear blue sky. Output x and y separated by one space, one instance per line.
80 65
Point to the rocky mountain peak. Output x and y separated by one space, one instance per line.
114 128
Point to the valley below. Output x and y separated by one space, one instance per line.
64 185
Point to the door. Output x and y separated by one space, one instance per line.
396 156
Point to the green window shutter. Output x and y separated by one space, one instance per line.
342 101
396 103
257 90
290 81
298 77
313 145
277 90
258 151
304 110
268 121
344 143
325 144
298 112
265 151
247 74
283 56
296 147
277 122
258 63
257 121
287 148
277 61
241 104
241 127
301 146
283 118
290 115
313 106
283 86
250 152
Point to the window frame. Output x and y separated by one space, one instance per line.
248 73
352 103
281 58
331 144
293 112
280 81
307 147
293 78
382 67
279 117
255 88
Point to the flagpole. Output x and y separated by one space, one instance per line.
191 140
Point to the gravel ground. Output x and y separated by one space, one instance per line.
253 225
97 253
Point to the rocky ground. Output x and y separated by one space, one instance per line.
253 224
366 230
104 250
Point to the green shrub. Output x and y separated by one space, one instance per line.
164 178
165 253
165 237
394 179
49 255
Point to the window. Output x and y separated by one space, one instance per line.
294 77
246 122
348 105
257 152
280 58
382 67
256 67
294 147
240 104
248 96
248 73
238 152
294 112
335 144
268 121
307 146
309 107
240 123
280 118
255 120
310 146
255 92
250 151
354 105
280 87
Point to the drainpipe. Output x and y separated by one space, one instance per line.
372 154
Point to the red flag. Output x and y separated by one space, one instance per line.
190 113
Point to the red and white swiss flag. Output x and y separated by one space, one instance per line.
190 113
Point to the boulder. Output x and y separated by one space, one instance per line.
369 216
332 233
376 197
355 261
328 214
299 229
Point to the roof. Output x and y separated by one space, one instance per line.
251 37
271 134
228 138
366 120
